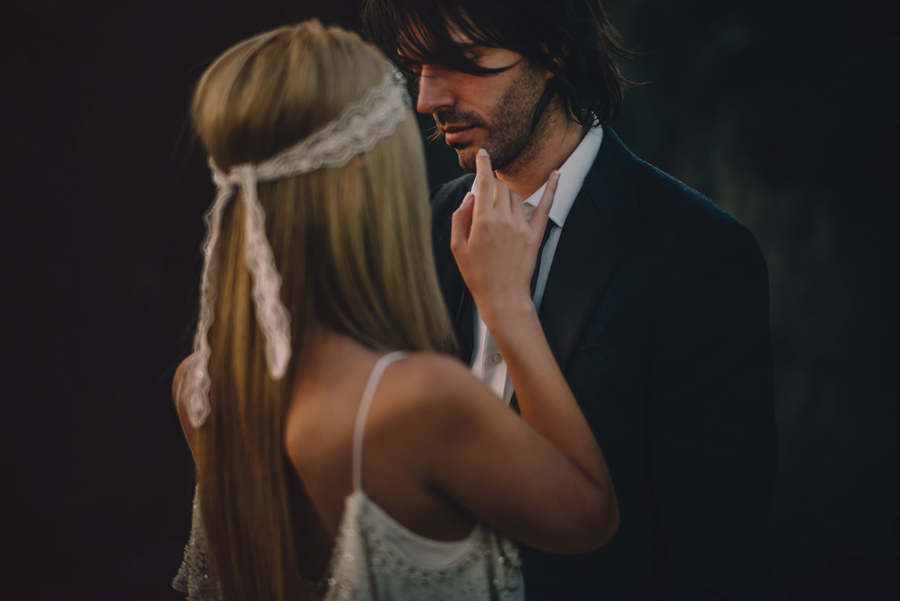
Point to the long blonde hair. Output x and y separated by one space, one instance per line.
353 247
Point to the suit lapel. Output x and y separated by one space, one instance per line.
598 229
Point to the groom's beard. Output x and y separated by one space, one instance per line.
508 136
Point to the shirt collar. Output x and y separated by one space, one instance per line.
571 176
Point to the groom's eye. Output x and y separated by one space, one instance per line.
474 53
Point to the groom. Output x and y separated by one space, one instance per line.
653 300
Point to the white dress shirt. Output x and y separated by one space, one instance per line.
487 362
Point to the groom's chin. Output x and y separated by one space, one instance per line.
466 158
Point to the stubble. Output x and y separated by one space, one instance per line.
510 140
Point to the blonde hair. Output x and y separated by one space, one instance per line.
353 247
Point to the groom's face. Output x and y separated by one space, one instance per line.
493 112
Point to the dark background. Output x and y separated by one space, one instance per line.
785 113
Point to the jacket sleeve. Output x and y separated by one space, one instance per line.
713 438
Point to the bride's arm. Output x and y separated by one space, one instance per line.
544 484
496 247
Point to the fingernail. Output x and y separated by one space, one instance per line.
469 196
482 152
556 176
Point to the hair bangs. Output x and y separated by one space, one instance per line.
412 33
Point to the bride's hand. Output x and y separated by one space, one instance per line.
495 245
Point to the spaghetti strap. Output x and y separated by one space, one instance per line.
363 413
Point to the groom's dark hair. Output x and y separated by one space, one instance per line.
572 39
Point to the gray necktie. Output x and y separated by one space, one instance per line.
537 266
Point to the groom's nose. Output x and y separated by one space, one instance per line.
436 90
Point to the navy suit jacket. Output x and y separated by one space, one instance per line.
657 311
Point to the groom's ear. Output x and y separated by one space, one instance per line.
559 59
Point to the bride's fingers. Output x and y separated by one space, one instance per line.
484 182
502 197
516 205
461 224
542 211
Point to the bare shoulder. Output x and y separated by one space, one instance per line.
435 374
432 419
430 379
434 393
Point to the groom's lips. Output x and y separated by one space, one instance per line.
457 134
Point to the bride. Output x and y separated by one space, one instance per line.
341 452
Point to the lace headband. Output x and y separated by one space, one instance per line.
356 130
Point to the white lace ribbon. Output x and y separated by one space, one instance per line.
356 130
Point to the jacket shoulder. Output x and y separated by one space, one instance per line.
660 192
621 183
683 217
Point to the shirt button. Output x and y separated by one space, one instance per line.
496 358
